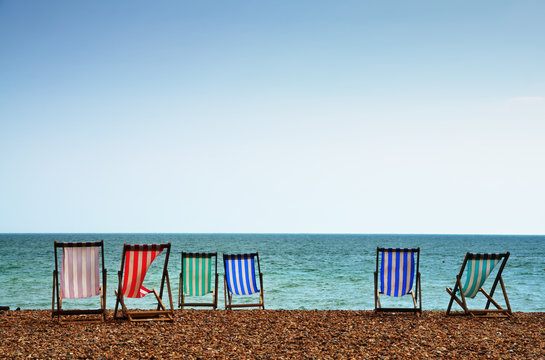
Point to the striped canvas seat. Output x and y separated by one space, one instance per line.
240 278
397 272
196 278
397 276
79 277
135 263
80 272
240 274
138 259
197 272
478 268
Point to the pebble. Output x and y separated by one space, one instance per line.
251 334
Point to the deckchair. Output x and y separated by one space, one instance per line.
135 263
397 270
478 267
79 278
240 279
196 278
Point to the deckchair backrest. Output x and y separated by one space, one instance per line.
197 273
397 270
137 260
80 267
478 267
240 273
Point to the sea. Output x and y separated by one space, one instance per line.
300 271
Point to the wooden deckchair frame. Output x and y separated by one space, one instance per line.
162 313
229 297
416 294
486 312
181 295
56 307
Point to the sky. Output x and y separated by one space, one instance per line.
272 116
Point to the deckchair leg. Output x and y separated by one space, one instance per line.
225 292
419 293
104 280
490 300
168 313
216 290
464 306
160 304
124 311
103 303
376 290
261 296
453 297
169 294
493 302
505 297
118 294
53 298
414 298
180 293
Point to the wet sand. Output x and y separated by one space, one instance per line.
275 334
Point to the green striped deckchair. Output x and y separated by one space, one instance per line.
478 267
196 278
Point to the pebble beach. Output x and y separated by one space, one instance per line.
275 334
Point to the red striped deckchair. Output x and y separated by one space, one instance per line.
79 278
196 279
397 275
135 263
478 267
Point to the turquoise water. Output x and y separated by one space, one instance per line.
317 271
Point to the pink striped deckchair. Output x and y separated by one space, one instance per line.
135 263
79 278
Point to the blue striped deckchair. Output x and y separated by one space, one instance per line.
196 278
478 267
240 278
397 277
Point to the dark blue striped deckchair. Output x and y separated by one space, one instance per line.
240 278
397 277
196 278
478 267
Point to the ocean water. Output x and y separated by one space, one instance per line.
301 271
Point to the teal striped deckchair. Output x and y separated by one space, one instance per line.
196 278
478 267
240 279
397 277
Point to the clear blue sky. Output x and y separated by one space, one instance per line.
272 116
